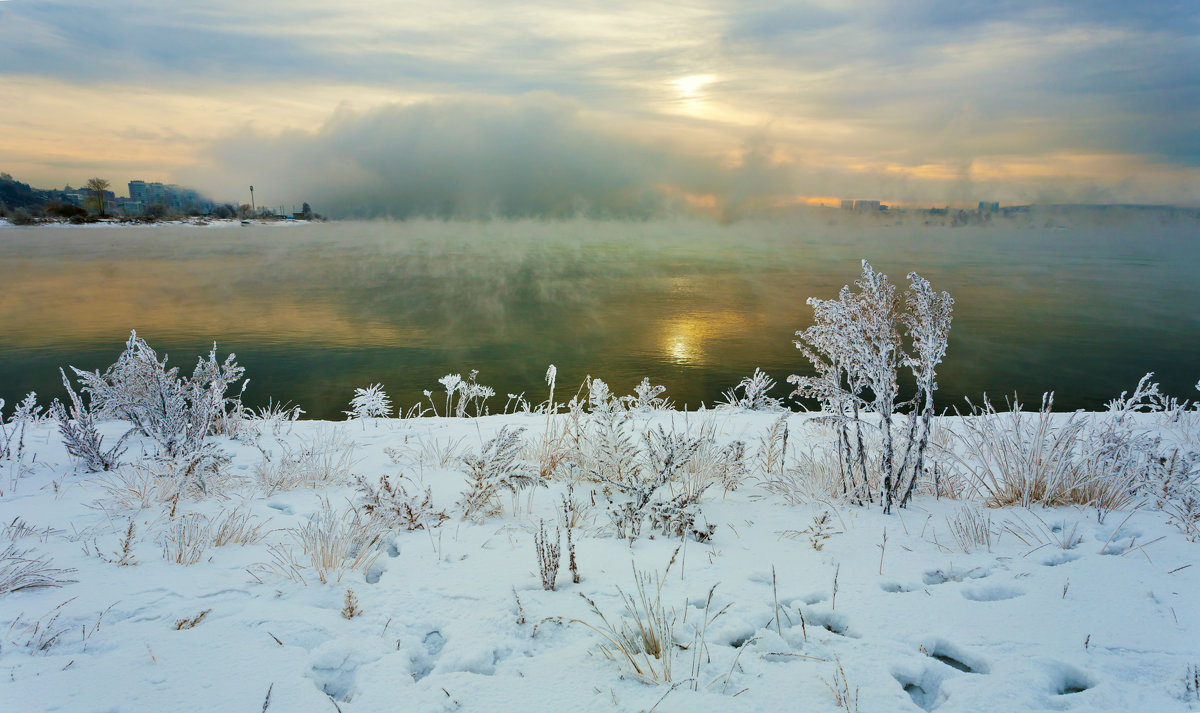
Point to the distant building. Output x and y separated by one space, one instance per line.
172 196
863 206
986 207
847 204
138 191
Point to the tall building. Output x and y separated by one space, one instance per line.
138 191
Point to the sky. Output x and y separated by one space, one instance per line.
608 108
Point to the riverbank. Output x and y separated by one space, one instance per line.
199 222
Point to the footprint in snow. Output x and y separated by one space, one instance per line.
1060 558
954 657
953 574
992 593
1067 680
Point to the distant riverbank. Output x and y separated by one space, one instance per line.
198 222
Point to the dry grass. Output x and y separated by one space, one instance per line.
323 462
1036 458
329 546
553 452
192 621
139 486
186 539
843 697
1039 533
274 417
816 472
190 535
236 527
971 528
643 637
24 569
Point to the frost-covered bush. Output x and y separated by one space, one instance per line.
371 402
548 555
177 413
13 454
392 505
78 430
754 394
856 348
664 457
647 397
497 469
462 393
677 518
607 445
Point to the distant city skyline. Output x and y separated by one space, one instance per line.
609 109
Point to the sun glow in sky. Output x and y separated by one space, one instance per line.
598 106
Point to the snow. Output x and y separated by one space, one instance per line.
1110 623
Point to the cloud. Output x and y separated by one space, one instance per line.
534 155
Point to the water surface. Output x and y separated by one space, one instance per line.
314 311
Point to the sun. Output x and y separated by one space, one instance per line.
691 86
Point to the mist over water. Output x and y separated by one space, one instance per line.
314 311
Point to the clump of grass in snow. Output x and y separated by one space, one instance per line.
350 607
24 569
186 539
1039 534
191 622
642 638
322 462
1025 459
971 528
329 545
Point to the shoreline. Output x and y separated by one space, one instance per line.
198 222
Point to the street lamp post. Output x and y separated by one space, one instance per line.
253 210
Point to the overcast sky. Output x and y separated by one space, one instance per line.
607 107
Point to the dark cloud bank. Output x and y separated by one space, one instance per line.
533 156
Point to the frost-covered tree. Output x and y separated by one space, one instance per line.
856 350
927 321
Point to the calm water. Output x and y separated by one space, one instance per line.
315 311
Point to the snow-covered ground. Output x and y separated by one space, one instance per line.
810 600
